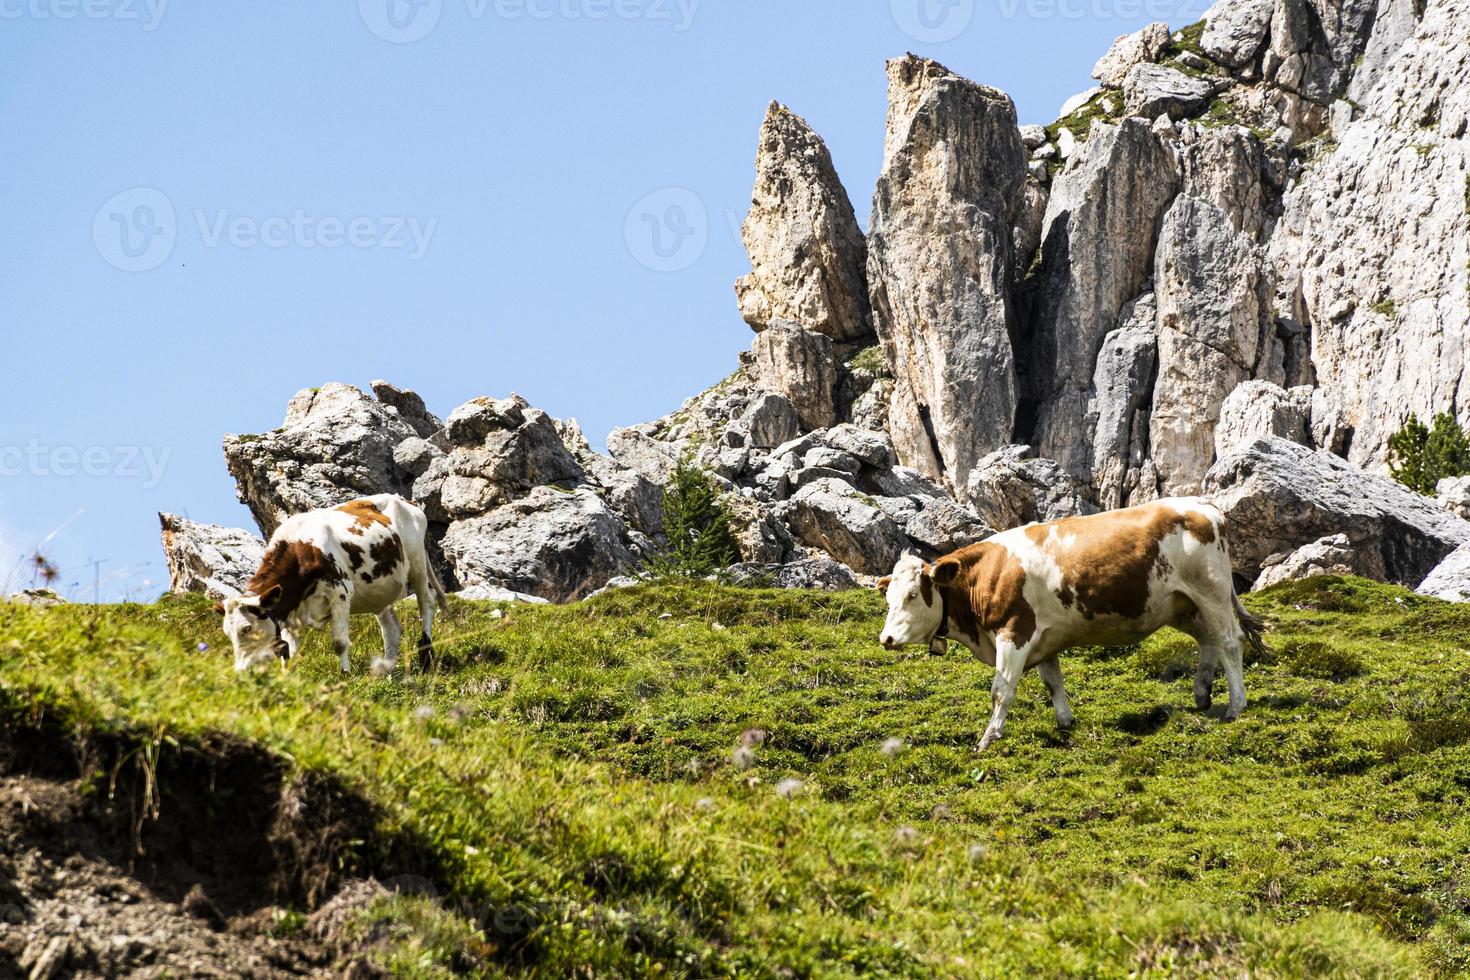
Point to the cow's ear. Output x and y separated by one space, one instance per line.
219 608
883 583
945 572
270 596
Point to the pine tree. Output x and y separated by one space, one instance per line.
697 524
1419 456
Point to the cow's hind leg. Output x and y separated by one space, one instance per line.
342 632
1010 664
1051 675
1220 638
424 592
1204 676
392 637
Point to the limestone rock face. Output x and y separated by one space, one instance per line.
1009 488
1235 31
1140 47
814 572
1154 90
1260 408
1335 554
800 365
940 265
1450 579
806 250
1372 249
208 558
1097 254
1279 496
557 545
336 444
1121 385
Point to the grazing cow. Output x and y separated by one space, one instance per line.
322 566
1021 597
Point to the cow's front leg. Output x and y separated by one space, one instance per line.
1010 664
342 632
1051 675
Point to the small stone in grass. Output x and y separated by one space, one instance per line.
743 757
787 788
892 747
752 737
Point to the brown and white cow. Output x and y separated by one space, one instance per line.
321 567
1021 597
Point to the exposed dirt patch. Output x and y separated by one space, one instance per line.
129 857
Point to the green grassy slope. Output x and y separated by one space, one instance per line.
570 771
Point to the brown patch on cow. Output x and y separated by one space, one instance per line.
984 587
289 570
355 554
1107 559
365 514
926 588
386 555
884 582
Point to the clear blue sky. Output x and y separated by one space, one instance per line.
461 212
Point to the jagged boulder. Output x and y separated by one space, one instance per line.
799 365
1280 496
335 444
409 406
208 558
940 264
1097 254
769 421
1141 47
1260 408
834 517
807 253
1235 31
1009 488
559 545
1335 554
1450 579
1151 91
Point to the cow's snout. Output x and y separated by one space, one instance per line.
888 642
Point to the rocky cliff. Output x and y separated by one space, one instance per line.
1254 228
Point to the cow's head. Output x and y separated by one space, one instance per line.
254 633
915 608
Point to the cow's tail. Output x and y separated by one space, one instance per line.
1252 626
440 598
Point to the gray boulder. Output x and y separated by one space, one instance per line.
1453 494
208 558
550 543
768 422
1279 496
815 572
1154 90
335 444
1260 408
1121 385
1235 31
1141 47
1335 554
409 406
807 253
851 528
1009 488
1450 579
799 365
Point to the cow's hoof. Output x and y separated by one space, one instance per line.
984 743
1203 702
